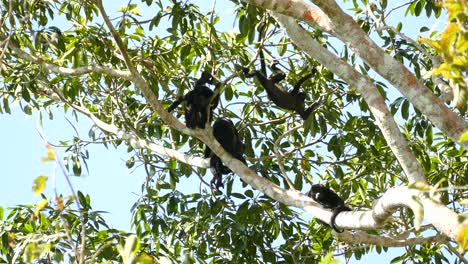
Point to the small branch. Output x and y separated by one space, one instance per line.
80 256
69 71
455 251
279 157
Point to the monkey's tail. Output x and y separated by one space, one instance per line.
336 211
305 114
261 34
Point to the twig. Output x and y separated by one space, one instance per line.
280 158
70 185
455 251
380 24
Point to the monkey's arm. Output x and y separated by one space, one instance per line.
176 103
215 99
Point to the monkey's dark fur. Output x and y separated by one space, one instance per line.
198 101
293 100
226 134
328 199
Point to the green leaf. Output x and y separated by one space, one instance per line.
34 251
405 109
328 259
283 46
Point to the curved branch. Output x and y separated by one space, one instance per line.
383 209
442 218
395 198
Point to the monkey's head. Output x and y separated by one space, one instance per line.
315 191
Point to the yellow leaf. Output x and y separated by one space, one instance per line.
60 204
41 205
434 44
464 137
144 259
39 184
50 154
462 238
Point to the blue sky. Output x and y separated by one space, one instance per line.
110 184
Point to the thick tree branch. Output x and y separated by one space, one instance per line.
382 210
366 87
380 24
342 26
385 241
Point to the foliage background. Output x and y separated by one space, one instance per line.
108 184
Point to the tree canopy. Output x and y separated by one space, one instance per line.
387 132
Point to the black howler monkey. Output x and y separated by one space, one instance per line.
226 134
328 199
198 100
293 100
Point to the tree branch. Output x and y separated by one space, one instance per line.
137 142
342 26
384 207
447 92
69 71
366 87
385 241
279 157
